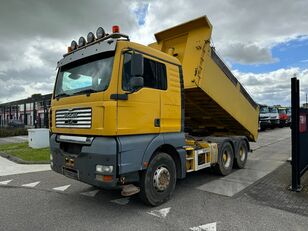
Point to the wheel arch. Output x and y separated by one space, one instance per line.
178 156
171 151
172 144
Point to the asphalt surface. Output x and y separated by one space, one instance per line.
14 139
34 201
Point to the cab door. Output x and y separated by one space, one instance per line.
140 111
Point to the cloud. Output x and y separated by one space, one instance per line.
10 89
274 87
34 34
249 54
65 19
238 26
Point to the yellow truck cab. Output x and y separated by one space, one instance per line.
123 115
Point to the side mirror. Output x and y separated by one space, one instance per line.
136 65
136 83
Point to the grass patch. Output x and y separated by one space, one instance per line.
24 152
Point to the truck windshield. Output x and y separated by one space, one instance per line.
273 110
263 109
87 77
282 111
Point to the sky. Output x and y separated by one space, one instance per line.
264 43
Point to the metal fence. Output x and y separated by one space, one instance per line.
299 137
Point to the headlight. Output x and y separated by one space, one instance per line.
104 169
100 33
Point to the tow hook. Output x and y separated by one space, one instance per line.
129 190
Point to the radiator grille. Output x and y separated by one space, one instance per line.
74 118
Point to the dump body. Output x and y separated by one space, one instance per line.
215 101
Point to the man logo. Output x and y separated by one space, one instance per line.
71 117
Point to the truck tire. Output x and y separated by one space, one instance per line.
225 159
158 181
241 155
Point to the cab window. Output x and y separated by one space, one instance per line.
154 76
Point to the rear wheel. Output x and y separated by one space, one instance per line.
158 180
241 155
225 159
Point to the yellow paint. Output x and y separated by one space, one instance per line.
135 115
186 44
203 79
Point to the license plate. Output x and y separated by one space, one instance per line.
71 173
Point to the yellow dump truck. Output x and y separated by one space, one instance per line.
138 118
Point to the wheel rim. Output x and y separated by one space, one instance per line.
226 159
242 154
161 179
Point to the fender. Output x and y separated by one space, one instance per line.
174 140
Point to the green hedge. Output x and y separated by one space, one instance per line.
5 132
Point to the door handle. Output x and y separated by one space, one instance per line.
157 122
119 96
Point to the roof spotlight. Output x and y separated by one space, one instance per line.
100 33
90 37
81 41
73 45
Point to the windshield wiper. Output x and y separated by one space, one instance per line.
86 91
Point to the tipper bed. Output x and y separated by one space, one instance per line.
215 101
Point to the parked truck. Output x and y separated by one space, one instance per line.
274 116
138 118
264 117
283 116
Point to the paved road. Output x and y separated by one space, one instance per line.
48 201
14 139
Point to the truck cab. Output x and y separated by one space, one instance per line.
264 117
283 116
289 114
274 116
107 120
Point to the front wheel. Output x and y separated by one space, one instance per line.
158 180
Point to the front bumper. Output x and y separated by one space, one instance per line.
265 123
85 157
275 121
